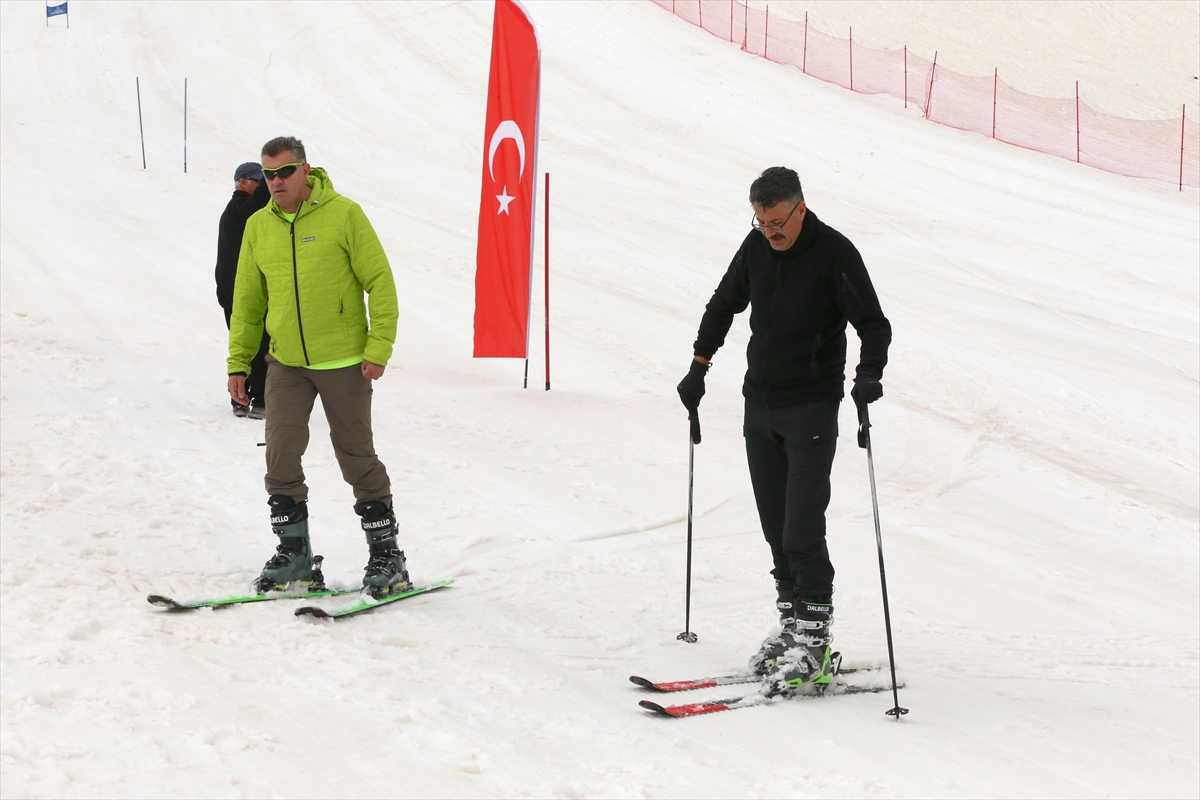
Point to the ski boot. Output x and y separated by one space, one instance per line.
293 559
773 647
386 570
808 666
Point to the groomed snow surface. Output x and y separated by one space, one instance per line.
1036 450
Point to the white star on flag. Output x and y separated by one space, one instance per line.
504 201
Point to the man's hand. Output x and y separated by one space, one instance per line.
371 370
866 390
691 388
237 389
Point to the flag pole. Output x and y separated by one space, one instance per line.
537 132
546 281
137 83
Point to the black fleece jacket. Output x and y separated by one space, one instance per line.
801 299
229 238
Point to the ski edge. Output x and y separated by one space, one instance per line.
171 604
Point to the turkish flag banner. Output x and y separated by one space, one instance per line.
504 254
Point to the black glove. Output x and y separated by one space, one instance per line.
866 390
691 388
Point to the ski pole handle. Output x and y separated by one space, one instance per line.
694 419
864 424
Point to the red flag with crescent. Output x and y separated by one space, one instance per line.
504 254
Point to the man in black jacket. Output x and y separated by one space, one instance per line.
250 194
803 281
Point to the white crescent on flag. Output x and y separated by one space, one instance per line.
507 129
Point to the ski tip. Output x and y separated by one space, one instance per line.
651 706
162 602
313 611
645 683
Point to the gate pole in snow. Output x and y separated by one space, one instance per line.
906 76
137 82
852 58
864 440
546 282
185 126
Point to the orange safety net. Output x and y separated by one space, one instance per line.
1164 150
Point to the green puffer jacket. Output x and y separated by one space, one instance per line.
308 278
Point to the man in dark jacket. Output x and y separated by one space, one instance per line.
250 194
803 281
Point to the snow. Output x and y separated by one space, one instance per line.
1036 451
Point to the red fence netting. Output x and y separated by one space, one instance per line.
1164 150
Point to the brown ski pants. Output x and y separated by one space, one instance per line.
346 397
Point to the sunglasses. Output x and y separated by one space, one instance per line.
282 172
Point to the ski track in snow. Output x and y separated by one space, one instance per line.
1036 451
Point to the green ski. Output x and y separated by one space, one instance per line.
368 604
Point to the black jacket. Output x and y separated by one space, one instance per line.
801 299
229 238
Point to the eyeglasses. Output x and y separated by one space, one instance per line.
284 172
762 227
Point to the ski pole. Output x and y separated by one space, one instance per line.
864 440
693 439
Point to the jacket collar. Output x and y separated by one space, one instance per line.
322 192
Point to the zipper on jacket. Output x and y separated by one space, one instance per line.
848 285
767 338
296 286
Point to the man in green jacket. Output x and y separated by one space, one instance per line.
307 259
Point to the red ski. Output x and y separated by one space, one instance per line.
704 683
755 699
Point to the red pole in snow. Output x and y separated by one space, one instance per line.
1182 131
700 8
546 282
731 21
995 83
804 57
929 94
766 31
852 58
745 23
1077 121
906 76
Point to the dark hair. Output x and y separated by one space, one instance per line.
776 185
281 143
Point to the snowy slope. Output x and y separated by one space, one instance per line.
1037 449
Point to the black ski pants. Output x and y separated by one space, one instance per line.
256 381
790 451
